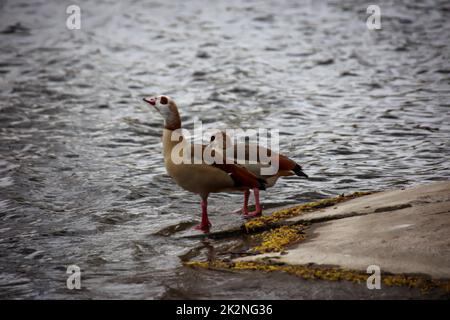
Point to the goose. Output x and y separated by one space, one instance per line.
221 142
198 177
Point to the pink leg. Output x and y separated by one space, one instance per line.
244 209
258 208
246 196
205 224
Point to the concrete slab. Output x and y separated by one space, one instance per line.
401 231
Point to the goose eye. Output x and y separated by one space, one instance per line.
164 100
213 138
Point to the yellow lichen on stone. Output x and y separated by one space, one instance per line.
264 221
329 274
276 240
215 264
197 264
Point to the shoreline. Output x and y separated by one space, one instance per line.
403 231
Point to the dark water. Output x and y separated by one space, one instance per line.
81 174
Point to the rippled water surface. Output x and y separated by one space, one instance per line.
81 174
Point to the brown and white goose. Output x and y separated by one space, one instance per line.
200 178
220 142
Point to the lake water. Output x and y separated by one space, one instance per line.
81 174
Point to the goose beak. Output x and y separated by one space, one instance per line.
150 101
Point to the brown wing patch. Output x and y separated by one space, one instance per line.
242 177
285 163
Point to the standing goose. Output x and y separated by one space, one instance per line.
286 167
201 178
